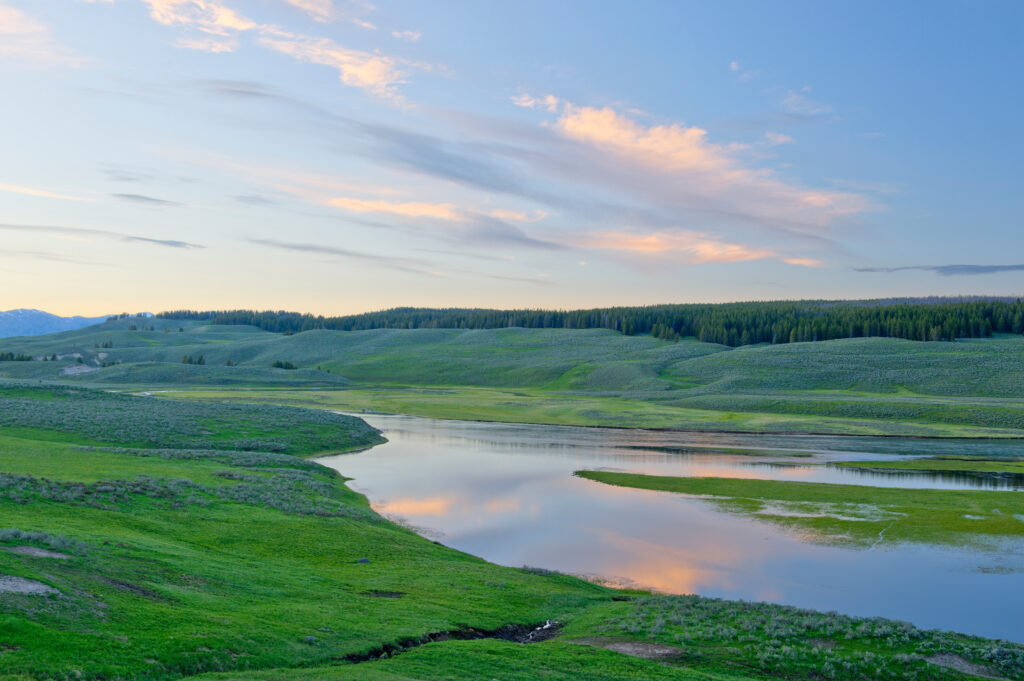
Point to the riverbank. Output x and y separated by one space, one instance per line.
187 550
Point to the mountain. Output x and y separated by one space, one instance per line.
37 323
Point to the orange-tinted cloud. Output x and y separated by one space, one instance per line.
684 246
24 38
375 73
410 209
683 157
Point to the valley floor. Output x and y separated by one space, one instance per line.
155 539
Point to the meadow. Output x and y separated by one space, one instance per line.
150 548
858 386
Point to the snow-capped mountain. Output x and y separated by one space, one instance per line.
37 323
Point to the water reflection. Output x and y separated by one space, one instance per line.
506 493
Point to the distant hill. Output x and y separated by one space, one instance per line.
732 324
38 323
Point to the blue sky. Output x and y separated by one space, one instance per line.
335 157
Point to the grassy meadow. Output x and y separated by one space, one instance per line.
861 386
151 539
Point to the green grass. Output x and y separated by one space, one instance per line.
851 514
91 416
580 377
526 405
866 386
185 560
943 464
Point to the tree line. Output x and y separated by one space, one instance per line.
732 324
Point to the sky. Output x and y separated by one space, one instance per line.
340 156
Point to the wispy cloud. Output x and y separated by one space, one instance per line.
412 209
549 102
170 243
147 200
711 171
352 11
800 103
407 35
219 26
82 234
774 139
486 230
321 10
26 39
375 73
46 255
948 270
680 246
518 215
410 265
42 193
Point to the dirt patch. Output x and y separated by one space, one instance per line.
648 651
37 553
29 587
957 663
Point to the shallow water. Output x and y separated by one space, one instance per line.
506 492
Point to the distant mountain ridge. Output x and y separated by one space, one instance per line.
37 323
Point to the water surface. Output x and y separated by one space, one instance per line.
506 492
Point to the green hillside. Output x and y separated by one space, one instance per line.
968 388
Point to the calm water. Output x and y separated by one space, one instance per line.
506 492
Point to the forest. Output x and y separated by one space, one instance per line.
731 324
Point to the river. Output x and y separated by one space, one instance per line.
506 492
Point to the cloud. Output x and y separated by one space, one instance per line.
799 103
374 73
220 26
734 66
486 230
207 44
408 36
327 10
254 200
24 38
46 255
948 270
548 102
774 139
704 172
83 232
204 15
42 193
170 243
321 10
411 265
683 246
517 215
142 198
412 209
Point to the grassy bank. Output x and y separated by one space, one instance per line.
851 514
526 405
154 548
